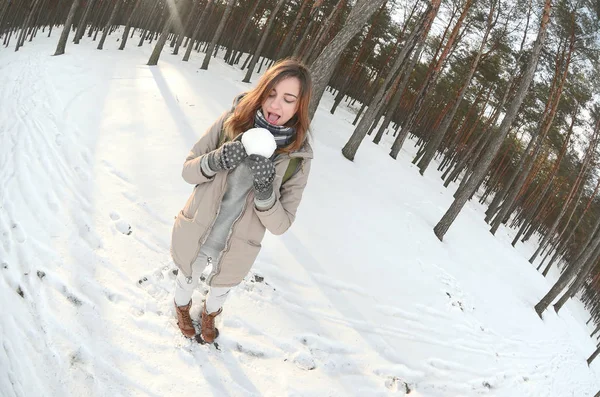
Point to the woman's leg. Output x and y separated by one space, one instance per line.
212 308
215 298
184 286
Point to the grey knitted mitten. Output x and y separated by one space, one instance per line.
227 157
263 172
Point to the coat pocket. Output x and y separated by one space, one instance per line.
185 241
237 262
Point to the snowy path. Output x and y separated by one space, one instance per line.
359 298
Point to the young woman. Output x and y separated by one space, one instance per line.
238 196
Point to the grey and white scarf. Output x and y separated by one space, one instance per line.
283 135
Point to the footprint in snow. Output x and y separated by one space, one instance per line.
59 286
159 283
121 225
18 233
332 356
254 348
396 384
304 360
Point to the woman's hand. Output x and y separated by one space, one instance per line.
263 172
227 157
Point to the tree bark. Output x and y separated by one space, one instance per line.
565 242
545 127
110 23
265 33
319 42
134 14
568 275
396 99
62 42
419 33
283 50
217 34
365 47
160 43
324 66
591 358
83 22
187 27
237 43
26 24
410 121
530 216
434 143
579 280
199 26
511 113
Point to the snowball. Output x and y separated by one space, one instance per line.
259 141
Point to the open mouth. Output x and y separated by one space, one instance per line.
272 117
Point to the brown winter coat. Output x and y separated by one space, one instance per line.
195 220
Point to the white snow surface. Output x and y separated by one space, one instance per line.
259 141
358 298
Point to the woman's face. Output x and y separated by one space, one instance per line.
282 102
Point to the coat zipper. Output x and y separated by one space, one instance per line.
202 240
214 271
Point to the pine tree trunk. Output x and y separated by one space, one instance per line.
299 49
217 34
365 47
565 242
436 140
527 159
237 43
419 33
324 66
160 43
479 174
579 280
395 101
187 26
110 23
529 217
284 49
132 17
26 23
95 25
265 33
62 42
568 275
546 124
37 22
83 22
473 152
149 22
199 26
319 42
591 358
550 233
410 122
4 9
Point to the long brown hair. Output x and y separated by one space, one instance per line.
242 119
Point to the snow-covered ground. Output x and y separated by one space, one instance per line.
359 298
